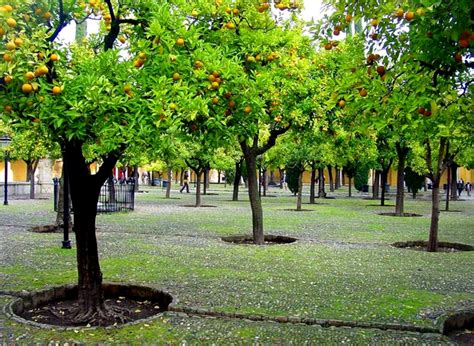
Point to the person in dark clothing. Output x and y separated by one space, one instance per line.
460 186
185 183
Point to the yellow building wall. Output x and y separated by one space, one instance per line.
16 170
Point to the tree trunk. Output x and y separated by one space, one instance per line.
264 181
255 201
376 184
331 179
32 184
383 183
453 168
435 210
260 182
31 166
312 187
350 186
136 178
168 187
198 188
60 212
218 177
321 189
237 178
85 194
402 153
338 178
281 177
206 181
448 185
300 191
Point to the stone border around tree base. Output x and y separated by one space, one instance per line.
247 239
442 244
28 300
447 324
325 323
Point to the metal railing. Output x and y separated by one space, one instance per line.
113 197
116 197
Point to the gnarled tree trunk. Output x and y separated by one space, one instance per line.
85 189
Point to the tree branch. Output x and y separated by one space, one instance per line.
108 163
272 140
62 22
429 160
111 10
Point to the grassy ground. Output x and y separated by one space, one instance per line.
342 267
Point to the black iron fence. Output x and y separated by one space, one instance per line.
116 197
112 198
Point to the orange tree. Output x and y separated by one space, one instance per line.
424 47
233 71
82 95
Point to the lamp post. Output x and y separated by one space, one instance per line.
4 142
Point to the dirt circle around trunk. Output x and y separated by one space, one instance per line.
421 245
268 239
301 210
458 326
201 206
50 308
403 215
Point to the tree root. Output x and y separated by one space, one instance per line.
104 315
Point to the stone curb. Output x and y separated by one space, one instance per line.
308 321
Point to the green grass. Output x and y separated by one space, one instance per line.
343 266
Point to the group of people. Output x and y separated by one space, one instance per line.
461 187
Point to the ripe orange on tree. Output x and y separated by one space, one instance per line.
29 75
18 41
8 79
42 70
56 90
10 45
27 88
409 15
11 22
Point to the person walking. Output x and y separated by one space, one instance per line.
460 186
468 188
185 183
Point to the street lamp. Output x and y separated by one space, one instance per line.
4 142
